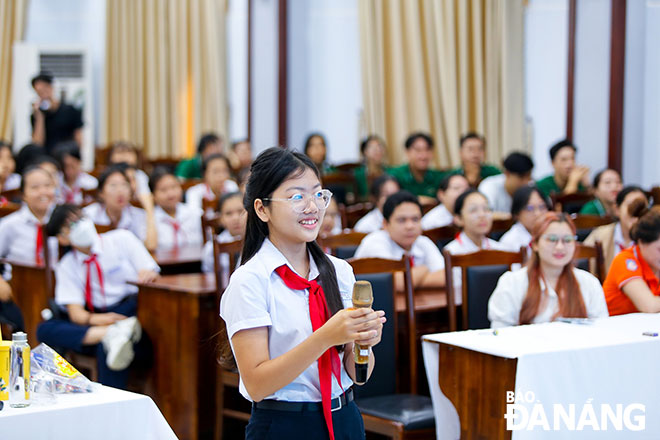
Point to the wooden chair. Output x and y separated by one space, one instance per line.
481 269
385 409
429 206
655 195
9 208
592 259
348 167
341 182
443 235
342 245
585 223
210 225
188 183
89 196
353 213
571 203
233 250
102 229
499 227
12 195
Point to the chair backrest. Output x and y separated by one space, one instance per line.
9 208
345 243
102 229
591 258
443 235
12 195
500 226
353 213
233 250
210 225
426 207
571 203
189 183
387 352
480 273
585 223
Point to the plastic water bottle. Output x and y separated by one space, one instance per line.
19 375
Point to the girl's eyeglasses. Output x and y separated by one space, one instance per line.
300 201
565 239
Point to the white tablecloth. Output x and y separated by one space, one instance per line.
104 414
610 362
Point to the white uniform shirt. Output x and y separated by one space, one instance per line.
13 181
141 182
515 238
196 193
132 218
379 244
207 253
463 245
507 299
619 242
18 237
187 223
121 256
257 297
498 197
74 194
372 221
437 218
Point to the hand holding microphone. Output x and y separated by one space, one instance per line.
363 297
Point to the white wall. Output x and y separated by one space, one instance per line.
237 60
546 56
650 158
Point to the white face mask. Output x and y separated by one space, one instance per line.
82 233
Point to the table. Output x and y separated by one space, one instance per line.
549 367
186 259
180 315
108 413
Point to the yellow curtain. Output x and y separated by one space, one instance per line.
445 67
12 24
165 73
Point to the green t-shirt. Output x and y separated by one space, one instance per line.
487 170
594 207
190 168
428 187
362 181
548 186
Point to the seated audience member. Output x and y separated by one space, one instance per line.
402 235
98 305
499 189
233 218
568 178
240 158
217 182
450 188
417 176
53 121
316 148
383 187
528 205
177 224
10 313
72 180
209 144
8 179
550 286
607 185
126 152
473 154
21 237
615 237
372 150
331 224
632 282
114 208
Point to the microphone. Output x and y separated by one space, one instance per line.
362 297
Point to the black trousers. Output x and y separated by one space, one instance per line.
11 314
305 425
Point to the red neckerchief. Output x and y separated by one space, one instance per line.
88 282
329 362
39 246
176 226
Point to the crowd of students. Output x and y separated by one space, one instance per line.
147 213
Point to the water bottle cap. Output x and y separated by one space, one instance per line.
19 337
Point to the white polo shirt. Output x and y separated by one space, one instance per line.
437 218
257 297
132 218
18 236
515 238
186 225
506 301
498 198
13 181
196 193
379 244
141 182
73 194
372 221
121 256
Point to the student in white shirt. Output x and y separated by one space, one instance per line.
114 208
450 188
72 180
127 152
177 224
8 179
475 218
331 224
21 236
216 172
528 205
284 281
550 286
91 288
381 188
232 217
402 235
500 188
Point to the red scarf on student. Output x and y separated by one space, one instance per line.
329 362
88 282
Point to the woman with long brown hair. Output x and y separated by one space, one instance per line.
550 286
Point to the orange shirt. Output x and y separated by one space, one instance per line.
626 266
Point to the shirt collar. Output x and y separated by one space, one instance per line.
272 258
618 235
31 218
96 248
